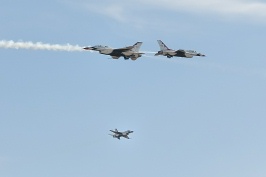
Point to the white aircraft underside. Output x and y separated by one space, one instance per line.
105 51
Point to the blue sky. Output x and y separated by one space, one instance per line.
199 117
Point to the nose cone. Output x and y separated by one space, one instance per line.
159 53
88 48
202 55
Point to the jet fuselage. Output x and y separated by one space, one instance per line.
126 52
165 51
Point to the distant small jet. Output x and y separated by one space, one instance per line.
118 134
131 52
165 51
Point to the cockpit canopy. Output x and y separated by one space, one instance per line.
191 51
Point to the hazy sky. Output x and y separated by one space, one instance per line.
199 117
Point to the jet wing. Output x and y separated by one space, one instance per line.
120 50
180 51
136 56
116 132
116 53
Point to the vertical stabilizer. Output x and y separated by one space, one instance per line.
136 47
163 47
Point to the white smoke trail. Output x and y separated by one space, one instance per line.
148 52
39 46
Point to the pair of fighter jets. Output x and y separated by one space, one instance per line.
133 53
118 134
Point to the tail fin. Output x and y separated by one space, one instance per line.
136 46
162 45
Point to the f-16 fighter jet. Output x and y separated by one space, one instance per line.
126 52
165 51
118 134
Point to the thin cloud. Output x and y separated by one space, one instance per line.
115 12
111 10
227 8
233 9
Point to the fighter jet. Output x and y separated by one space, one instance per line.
165 51
118 134
126 52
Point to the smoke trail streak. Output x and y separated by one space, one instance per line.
39 46
148 52
147 56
